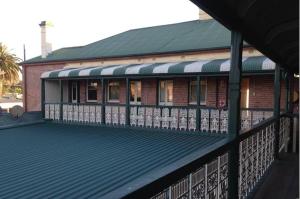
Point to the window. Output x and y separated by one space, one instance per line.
193 92
135 92
92 90
166 92
113 91
74 92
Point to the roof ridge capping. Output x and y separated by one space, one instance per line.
170 24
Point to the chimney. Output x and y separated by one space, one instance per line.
46 47
203 15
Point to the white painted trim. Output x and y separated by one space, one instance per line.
47 73
163 68
135 69
110 70
85 72
225 66
64 73
268 64
195 66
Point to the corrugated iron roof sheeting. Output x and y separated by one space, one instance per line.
65 161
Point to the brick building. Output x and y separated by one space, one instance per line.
162 64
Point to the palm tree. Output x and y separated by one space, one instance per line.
9 68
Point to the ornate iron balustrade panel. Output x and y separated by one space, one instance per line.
183 115
115 115
192 119
122 112
133 116
224 121
251 117
75 113
89 114
65 112
284 132
57 111
70 112
92 114
80 113
209 181
47 111
98 115
256 156
210 120
204 120
177 118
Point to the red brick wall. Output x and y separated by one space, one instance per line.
222 91
211 92
99 92
122 91
180 91
262 92
32 85
283 94
149 87
82 91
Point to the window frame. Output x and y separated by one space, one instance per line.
202 103
72 92
108 91
87 91
135 102
165 103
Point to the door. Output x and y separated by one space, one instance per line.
74 92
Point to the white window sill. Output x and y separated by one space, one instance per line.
113 101
135 103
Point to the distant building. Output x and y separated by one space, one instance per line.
162 63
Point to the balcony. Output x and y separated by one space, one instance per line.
184 118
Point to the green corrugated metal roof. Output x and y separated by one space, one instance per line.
180 37
249 64
66 161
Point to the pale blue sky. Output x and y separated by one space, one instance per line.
82 22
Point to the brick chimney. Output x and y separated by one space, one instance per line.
203 15
46 47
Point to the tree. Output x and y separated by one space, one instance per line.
9 68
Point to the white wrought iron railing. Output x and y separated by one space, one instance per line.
210 179
185 118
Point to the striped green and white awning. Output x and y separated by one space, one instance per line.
250 64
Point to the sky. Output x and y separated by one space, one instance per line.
77 23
